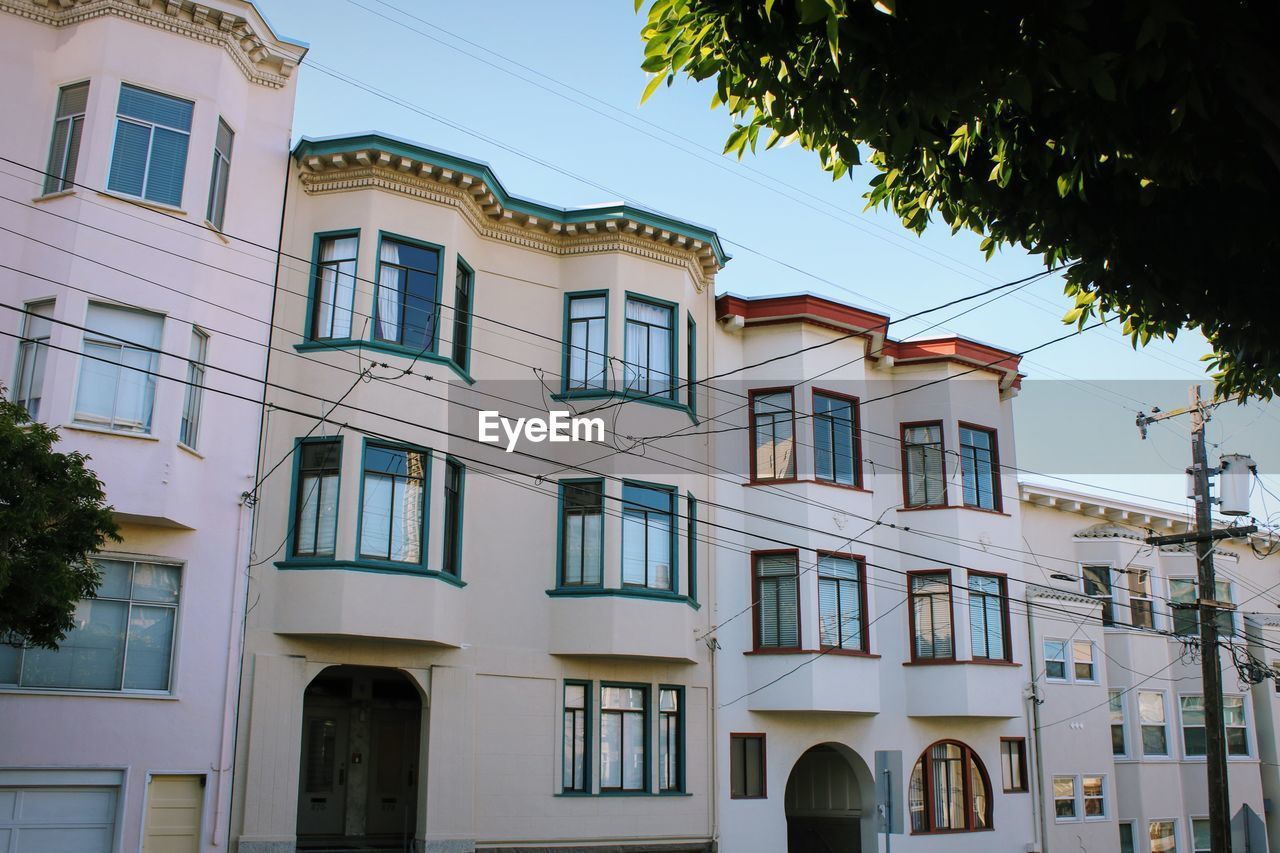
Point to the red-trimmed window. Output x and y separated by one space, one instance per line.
777 598
924 478
949 790
932 637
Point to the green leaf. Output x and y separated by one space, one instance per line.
768 9
833 39
653 86
736 140
811 11
1064 184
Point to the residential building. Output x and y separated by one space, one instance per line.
1114 635
138 135
865 634
442 651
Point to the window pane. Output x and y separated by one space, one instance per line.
1163 836
167 166
149 647
129 157
931 610
773 436
155 108
925 472
154 582
1126 838
116 578
92 655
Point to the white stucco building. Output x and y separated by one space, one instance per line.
160 126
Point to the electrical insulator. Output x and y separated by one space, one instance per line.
1234 481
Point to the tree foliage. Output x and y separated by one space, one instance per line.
52 520
1137 140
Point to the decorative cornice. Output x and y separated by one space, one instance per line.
1110 530
475 198
264 59
1035 590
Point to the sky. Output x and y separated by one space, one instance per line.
548 94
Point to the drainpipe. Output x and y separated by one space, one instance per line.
229 693
239 618
1033 734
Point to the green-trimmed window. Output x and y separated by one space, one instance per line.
691 544
624 723
587 333
454 474
835 439
670 739
576 750
315 523
393 496
691 365
649 348
463 286
64 147
647 536
149 159
405 305
581 532
335 286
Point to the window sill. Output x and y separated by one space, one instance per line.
85 694
51 196
781 482
391 349
294 564
141 436
925 508
952 662
844 653
626 397
831 484
189 449
625 592
218 231
144 202
965 507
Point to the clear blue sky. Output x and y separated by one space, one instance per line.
548 94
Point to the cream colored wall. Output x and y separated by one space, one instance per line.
496 652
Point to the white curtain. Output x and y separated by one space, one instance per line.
389 292
117 384
337 287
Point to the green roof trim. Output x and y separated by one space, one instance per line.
329 145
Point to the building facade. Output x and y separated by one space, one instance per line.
367 598
440 650
135 135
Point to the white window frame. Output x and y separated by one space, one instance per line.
32 359
151 133
1120 693
1066 664
1084 798
1075 815
1133 833
1182 726
1093 662
1108 601
1169 753
152 372
1150 597
193 395
1191 822
1177 840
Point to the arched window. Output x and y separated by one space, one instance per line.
950 791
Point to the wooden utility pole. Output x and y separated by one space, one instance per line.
1207 607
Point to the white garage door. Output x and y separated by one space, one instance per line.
55 819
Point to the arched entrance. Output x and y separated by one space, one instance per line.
830 795
358 780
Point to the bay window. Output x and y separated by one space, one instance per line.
777 597
149 158
1151 717
581 532
117 373
841 602
1116 709
335 287
451 562
624 720
924 481
464 279
1141 611
33 352
649 348
979 469
217 208
670 739
64 147
405 306
835 439
931 617
1184 595
988 617
189 427
773 433
648 536
1096 582
587 318
393 490
1193 726
315 525
576 747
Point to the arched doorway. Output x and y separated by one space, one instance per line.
829 794
358 780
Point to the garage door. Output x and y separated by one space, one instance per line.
53 819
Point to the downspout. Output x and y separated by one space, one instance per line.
1033 734
239 621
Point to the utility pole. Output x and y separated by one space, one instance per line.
1207 608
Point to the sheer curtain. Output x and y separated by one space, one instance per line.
389 292
337 287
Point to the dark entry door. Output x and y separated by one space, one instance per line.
322 788
393 771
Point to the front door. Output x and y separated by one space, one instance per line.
322 790
393 771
